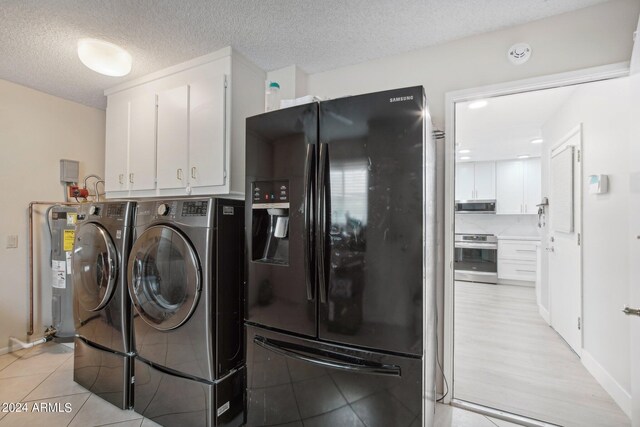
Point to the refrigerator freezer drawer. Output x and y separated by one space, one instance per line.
295 380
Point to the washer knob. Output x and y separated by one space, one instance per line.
163 209
94 210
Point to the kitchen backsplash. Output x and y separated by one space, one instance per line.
500 225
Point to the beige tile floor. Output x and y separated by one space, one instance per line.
44 374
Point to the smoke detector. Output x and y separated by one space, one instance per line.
519 53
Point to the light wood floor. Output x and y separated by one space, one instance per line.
508 358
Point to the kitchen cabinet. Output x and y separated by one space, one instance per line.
130 143
189 121
517 260
191 131
476 181
518 186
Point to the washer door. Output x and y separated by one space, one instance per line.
94 264
164 277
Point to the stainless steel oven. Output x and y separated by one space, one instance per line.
475 206
476 258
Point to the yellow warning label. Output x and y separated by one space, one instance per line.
69 237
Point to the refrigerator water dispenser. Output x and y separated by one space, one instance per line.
270 222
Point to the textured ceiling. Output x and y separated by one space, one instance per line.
38 37
505 127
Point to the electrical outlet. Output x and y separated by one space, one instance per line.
12 241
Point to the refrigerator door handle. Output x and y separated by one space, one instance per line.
316 357
322 219
308 256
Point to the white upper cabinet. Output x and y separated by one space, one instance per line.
117 146
207 131
532 185
485 180
510 175
180 131
142 142
173 137
476 181
465 181
518 186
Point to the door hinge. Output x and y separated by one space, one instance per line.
578 155
579 324
226 83
579 239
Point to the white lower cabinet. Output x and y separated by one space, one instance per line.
517 260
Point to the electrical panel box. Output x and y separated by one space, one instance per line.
69 170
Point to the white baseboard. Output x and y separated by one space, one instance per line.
544 313
4 350
611 386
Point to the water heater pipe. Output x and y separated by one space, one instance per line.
31 205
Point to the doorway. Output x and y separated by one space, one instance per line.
504 355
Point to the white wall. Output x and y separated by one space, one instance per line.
36 131
589 37
604 110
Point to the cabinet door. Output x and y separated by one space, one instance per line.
532 185
173 137
509 188
117 144
465 186
485 180
207 131
142 143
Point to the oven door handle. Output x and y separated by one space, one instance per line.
476 245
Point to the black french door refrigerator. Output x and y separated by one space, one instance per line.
341 263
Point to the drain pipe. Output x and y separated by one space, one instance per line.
31 205
49 334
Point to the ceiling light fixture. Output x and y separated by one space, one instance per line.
465 151
481 103
465 158
537 141
104 57
523 156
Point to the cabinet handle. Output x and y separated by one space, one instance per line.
179 174
526 271
193 172
120 178
131 178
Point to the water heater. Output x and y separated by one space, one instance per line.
63 228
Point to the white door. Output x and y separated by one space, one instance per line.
532 185
509 187
485 180
565 253
207 121
173 137
142 143
634 228
465 186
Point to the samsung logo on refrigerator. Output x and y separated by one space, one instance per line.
401 98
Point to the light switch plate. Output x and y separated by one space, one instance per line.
12 241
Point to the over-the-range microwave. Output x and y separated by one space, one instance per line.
475 206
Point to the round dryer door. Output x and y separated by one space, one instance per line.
164 277
94 265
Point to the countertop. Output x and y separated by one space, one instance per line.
528 238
